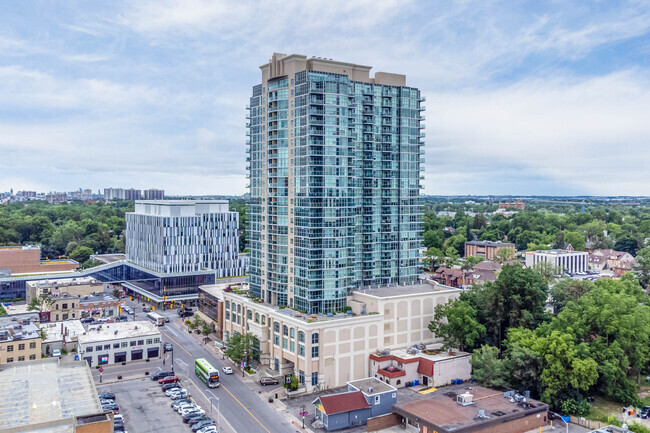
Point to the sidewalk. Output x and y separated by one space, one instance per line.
251 381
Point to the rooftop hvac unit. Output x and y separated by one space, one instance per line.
465 399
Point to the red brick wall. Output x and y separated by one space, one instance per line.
27 261
381 422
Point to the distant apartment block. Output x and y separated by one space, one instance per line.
113 194
487 249
154 194
517 204
132 194
27 260
184 236
56 197
563 260
27 194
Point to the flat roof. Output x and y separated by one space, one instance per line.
412 289
118 331
556 252
371 383
442 412
490 243
54 330
108 258
18 330
46 390
180 202
75 281
429 353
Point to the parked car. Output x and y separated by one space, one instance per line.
227 370
208 429
107 395
193 417
106 401
168 379
179 395
171 391
169 386
644 413
124 318
168 347
161 374
115 408
56 353
177 403
87 320
184 406
166 319
193 410
119 418
202 424
146 309
269 381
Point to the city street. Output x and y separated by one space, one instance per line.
241 404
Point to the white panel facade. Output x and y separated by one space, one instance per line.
184 236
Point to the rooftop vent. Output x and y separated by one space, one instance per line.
481 414
465 399
370 390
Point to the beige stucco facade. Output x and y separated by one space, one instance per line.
19 341
328 351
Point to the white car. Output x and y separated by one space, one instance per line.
197 410
171 391
118 417
179 395
185 406
227 370
56 353
208 429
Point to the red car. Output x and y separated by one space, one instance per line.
168 379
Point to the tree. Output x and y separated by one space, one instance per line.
451 257
432 239
627 243
455 322
547 271
523 368
487 368
576 239
243 348
81 254
567 290
117 293
517 298
40 303
642 268
503 254
433 257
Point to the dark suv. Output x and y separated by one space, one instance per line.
644 413
161 374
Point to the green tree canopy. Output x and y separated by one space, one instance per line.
243 347
455 322
487 368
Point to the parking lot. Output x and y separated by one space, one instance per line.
145 407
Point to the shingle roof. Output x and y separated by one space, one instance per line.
345 402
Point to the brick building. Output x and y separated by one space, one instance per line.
27 259
487 249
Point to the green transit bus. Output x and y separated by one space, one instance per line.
206 372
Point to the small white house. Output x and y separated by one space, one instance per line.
110 343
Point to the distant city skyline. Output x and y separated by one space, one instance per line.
527 98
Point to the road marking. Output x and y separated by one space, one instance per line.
222 386
181 362
245 408
170 329
177 343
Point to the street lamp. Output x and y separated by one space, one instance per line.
303 416
218 412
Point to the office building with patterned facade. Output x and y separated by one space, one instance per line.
184 236
336 160
562 260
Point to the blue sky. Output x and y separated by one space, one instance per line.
523 97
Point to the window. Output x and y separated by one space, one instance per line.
314 378
227 315
156 340
32 357
314 352
239 308
10 348
399 382
285 330
263 320
10 360
314 338
394 395
107 347
301 350
124 344
98 348
132 343
301 336
72 305
257 317
116 345
64 307
377 399
227 304
276 339
149 340
292 346
21 346
301 377
21 358
56 307
293 333
89 349
276 326
64 316
250 315
32 345
140 342
285 343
